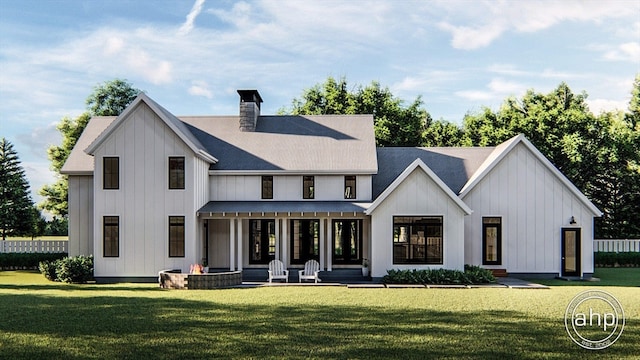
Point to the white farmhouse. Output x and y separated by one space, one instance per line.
150 191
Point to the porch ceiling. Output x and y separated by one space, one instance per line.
219 207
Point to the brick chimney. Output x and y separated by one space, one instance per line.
249 109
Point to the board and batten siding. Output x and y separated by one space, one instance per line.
534 205
285 188
80 215
143 143
417 195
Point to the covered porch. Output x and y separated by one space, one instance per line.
246 235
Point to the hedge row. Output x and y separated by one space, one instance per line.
78 269
26 261
470 275
612 259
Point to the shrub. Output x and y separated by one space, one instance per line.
26 261
470 275
610 259
78 269
48 269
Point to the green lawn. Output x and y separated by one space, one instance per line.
45 320
607 276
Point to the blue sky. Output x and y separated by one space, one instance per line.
192 55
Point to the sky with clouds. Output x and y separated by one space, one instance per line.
192 55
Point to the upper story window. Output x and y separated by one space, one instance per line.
267 187
350 187
176 172
111 173
308 188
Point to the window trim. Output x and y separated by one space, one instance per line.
179 185
268 181
426 245
111 175
350 191
178 241
308 192
104 236
498 226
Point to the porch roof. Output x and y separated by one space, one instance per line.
218 207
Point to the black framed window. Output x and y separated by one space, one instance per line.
492 241
176 172
347 241
305 240
308 188
350 187
176 236
111 173
111 234
262 241
417 240
267 187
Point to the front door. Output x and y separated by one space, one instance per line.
305 240
571 252
347 242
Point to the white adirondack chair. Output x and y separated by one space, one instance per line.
310 272
278 271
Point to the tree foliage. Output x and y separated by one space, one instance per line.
394 123
599 154
111 98
16 206
107 99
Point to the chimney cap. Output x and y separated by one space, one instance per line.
250 96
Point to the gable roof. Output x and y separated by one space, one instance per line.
418 164
320 144
169 119
501 151
79 162
453 165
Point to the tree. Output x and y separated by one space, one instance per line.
394 123
111 98
15 201
107 99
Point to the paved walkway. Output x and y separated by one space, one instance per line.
502 282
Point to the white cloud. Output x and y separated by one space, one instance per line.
200 88
485 21
496 90
624 52
598 106
187 26
113 45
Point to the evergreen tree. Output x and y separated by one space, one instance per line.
16 206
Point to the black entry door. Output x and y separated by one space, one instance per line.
347 241
571 252
305 240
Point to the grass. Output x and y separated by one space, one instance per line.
41 319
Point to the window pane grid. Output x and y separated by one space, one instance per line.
176 173
308 187
267 187
176 236
349 187
111 235
111 173
417 240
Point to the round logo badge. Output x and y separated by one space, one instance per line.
594 319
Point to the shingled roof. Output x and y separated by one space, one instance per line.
453 165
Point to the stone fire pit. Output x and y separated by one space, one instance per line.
175 279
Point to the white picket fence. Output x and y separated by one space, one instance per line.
617 245
34 246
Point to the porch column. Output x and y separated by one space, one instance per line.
278 239
323 241
232 243
285 243
328 246
239 244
